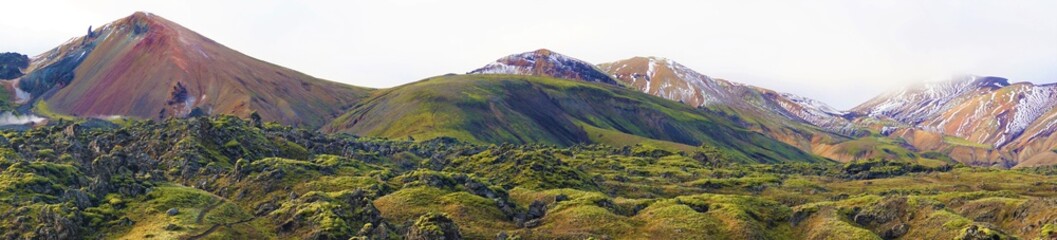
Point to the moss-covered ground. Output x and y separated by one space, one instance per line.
226 178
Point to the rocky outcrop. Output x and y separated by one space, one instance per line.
11 65
433 226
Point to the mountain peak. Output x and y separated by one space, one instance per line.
543 52
139 16
988 81
544 62
140 22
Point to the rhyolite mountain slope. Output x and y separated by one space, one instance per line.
546 63
803 122
502 108
147 67
982 120
669 79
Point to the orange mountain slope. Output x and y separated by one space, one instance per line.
985 120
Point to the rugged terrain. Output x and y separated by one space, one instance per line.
224 178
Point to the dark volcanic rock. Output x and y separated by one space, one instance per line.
433 226
11 65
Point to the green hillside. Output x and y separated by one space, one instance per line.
525 109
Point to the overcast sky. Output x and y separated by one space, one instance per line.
840 52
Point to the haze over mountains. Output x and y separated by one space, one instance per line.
146 67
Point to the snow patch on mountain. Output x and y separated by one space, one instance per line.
923 102
1033 103
544 62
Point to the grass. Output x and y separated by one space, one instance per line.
41 108
962 142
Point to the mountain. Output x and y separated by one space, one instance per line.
978 120
544 62
499 108
147 67
669 79
803 122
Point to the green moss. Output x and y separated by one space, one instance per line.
41 108
954 220
291 150
1049 230
670 220
232 144
969 196
163 198
534 169
476 216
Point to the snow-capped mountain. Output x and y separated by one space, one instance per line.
669 79
545 62
988 112
922 102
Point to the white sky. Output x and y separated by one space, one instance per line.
840 52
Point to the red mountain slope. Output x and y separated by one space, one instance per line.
148 67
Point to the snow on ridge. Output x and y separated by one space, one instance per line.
1034 102
499 68
651 69
812 104
934 94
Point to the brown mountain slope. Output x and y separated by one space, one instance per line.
806 123
148 67
980 120
669 79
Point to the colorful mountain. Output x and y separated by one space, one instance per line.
669 79
147 67
806 123
977 120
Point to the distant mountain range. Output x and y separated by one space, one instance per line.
146 67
